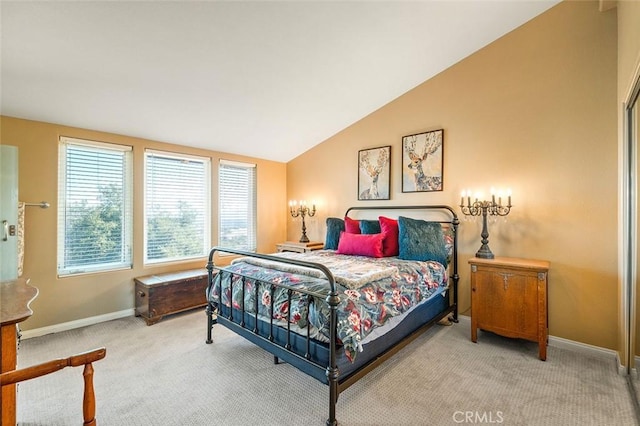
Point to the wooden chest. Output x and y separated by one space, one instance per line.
164 294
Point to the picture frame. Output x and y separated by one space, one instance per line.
374 173
423 161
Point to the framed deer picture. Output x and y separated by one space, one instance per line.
422 161
374 177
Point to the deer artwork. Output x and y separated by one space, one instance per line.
422 182
373 169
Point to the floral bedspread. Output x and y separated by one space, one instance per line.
360 310
351 271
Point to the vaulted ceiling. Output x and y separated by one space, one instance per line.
265 79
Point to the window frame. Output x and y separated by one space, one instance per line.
126 247
253 199
206 192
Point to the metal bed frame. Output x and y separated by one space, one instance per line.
252 328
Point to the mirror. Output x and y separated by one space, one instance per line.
632 230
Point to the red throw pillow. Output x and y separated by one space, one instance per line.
351 226
389 228
361 244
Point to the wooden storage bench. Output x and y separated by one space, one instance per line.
165 294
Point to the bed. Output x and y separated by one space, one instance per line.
337 313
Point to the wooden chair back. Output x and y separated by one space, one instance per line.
85 358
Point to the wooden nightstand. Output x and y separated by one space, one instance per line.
299 247
509 297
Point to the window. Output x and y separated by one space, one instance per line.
177 207
237 205
94 206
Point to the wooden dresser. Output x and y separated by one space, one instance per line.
509 297
16 297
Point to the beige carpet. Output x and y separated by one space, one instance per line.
166 375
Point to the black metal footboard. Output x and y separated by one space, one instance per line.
249 329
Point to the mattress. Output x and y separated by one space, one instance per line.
317 351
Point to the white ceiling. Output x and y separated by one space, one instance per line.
265 79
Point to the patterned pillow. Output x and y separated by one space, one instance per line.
421 240
335 226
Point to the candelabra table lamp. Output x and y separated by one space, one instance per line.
302 210
484 208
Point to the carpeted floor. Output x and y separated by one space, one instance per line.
166 375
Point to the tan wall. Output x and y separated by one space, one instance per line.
78 297
628 44
535 111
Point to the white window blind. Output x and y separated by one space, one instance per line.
237 205
94 206
177 206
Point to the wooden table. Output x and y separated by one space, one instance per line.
299 247
15 298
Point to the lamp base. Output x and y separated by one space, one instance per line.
485 252
304 239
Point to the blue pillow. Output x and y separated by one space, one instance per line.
334 227
370 227
421 240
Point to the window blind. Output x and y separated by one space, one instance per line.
177 206
94 206
237 205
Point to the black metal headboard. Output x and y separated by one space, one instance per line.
454 217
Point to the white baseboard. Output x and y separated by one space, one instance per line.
561 343
27 334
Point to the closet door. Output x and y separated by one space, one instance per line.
8 212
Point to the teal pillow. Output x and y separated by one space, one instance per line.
369 227
421 240
334 227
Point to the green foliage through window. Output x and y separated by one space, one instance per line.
172 235
95 231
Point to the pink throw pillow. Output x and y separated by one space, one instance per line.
361 244
389 229
351 226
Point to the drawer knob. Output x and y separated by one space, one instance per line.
141 293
